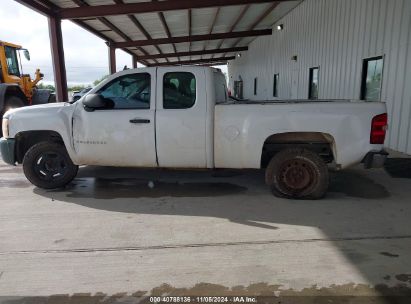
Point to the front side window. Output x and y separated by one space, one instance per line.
313 89
12 61
372 79
179 90
129 91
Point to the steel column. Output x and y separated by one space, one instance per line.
57 53
112 59
134 59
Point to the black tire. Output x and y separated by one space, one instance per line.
297 174
11 103
47 165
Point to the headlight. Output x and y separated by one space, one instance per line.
5 127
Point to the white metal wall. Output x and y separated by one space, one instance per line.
336 35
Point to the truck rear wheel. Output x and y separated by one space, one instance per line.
297 174
47 165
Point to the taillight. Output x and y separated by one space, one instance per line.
379 127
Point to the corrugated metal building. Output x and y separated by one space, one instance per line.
362 49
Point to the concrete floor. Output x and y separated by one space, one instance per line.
153 232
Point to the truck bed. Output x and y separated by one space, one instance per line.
242 126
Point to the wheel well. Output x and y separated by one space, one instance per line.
25 140
321 143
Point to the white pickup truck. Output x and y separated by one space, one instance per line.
182 117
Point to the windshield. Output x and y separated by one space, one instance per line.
12 61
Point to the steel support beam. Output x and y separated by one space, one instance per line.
134 63
193 38
194 53
140 27
210 31
198 61
258 20
38 7
111 59
165 26
238 19
57 53
147 7
107 23
214 63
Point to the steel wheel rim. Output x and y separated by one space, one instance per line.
50 166
296 177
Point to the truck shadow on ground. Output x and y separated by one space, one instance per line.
240 196
113 183
358 215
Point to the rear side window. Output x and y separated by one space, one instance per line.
129 91
314 81
255 86
275 84
179 90
372 79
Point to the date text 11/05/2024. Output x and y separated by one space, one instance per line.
200 299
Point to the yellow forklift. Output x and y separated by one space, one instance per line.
18 89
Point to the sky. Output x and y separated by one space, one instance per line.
86 55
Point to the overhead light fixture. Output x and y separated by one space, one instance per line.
239 55
280 27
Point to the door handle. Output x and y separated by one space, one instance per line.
139 121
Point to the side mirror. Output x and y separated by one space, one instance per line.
93 102
27 54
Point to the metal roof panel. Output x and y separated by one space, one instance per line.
178 21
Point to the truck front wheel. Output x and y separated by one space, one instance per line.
47 165
297 174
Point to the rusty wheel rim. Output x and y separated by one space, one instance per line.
296 177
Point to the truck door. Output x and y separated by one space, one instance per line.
181 117
124 135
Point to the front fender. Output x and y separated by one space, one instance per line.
52 117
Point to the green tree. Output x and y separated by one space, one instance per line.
46 86
76 88
97 81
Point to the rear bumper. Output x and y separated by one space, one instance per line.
375 159
7 150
